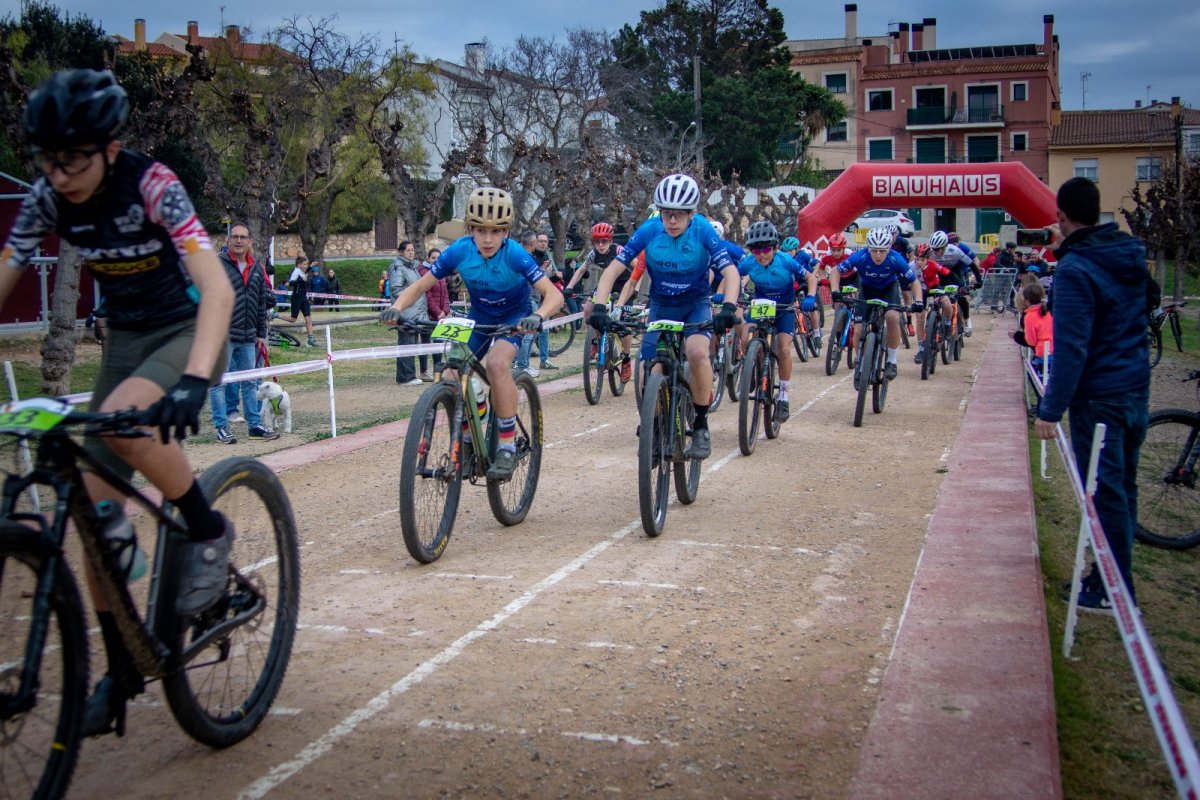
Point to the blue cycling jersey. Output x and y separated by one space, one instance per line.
966 251
878 276
499 286
777 280
677 265
735 253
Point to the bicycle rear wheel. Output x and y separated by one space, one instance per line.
614 361
750 404
281 338
879 388
653 454
864 378
224 692
39 746
947 337
1176 330
561 337
686 470
510 499
833 352
800 341
717 360
929 361
733 368
1155 340
431 471
593 368
1168 500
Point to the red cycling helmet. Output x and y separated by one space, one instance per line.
923 250
602 230
837 240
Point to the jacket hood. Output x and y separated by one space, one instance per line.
1110 249
224 255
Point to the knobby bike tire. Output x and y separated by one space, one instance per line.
904 334
40 747
511 499
1155 340
929 361
947 348
879 388
733 369
686 470
768 391
800 345
833 352
749 405
814 343
561 337
1176 330
210 698
866 361
431 473
593 370
638 378
281 338
653 473
1168 498
718 368
820 312
613 361
958 345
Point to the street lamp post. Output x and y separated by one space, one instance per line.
682 136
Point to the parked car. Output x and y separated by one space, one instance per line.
882 217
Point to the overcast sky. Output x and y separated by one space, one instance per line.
1125 46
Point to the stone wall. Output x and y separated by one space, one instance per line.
339 245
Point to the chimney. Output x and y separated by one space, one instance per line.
475 52
1176 109
930 24
233 35
918 36
851 21
1137 103
903 39
1048 32
894 47
193 31
139 34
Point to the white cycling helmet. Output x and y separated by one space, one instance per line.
678 192
719 227
879 239
939 240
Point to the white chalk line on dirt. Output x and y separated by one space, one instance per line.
381 701
323 744
303 626
471 576
587 736
588 432
368 520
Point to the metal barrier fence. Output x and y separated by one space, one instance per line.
996 288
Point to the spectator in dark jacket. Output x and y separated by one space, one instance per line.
253 301
438 301
1101 370
333 285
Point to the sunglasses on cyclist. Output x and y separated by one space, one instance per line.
762 251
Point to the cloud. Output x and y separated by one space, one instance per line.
1100 52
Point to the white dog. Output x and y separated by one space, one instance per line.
275 404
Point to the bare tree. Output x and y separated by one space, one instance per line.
1166 215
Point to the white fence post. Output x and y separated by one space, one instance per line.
1089 488
329 381
23 447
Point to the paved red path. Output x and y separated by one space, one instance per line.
967 703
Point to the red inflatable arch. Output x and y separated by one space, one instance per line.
1009 185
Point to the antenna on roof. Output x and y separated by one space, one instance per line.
1148 88
1083 79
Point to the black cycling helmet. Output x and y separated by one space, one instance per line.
74 108
762 234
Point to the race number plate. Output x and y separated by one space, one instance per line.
37 415
665 326
453 329
762 309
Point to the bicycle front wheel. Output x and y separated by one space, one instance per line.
561 337
717 360
768 394
654 454
833 353
863 378
39 745
1155 341
431 468
929 360
593 368
281 338
614 360
686 470
879 389
1168 500
510 499
222 694
801 344
750 405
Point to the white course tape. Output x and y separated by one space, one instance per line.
1173 737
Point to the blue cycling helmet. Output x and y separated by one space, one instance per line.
1035 269
789 244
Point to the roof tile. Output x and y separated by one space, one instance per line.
1120 126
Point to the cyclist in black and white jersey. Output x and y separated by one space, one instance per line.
955 260
602 254
168 304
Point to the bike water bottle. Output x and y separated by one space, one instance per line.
481 396
121 540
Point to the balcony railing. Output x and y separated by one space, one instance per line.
981 115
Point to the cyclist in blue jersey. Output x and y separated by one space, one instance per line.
953 258
679 245
775 275
880 271
954 239
168 301
497 273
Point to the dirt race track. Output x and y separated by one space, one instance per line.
740 654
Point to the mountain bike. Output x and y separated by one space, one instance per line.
841 338
872 355
436 456
805 341
277 337
1159 317
952 339
665 432
220 669
760 382
1168 499
935 331
602 356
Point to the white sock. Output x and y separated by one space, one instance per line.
893 352
783 392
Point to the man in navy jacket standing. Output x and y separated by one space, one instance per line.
1100 371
